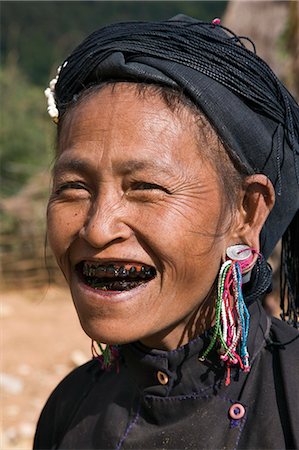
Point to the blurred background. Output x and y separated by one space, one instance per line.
41 337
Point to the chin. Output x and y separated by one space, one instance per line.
115 317
112 334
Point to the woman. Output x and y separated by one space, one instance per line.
176 174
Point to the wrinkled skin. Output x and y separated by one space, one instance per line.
131 184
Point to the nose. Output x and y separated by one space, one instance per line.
105 223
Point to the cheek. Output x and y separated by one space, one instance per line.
192 244
183 230
63 225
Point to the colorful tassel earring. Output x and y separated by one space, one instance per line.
232 317
107 357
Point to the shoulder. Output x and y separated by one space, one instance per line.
284 344
284 340
63 403
284 335
84 377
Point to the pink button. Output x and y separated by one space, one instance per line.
237 411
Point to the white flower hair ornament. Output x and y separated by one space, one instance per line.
50 94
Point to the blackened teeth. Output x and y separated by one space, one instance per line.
112 277
112 271
119 285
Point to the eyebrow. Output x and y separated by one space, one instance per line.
124 168
71 165
135 165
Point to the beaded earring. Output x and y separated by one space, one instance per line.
232 317
107 357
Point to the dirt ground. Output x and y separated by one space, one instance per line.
41 341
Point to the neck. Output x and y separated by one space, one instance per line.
187 329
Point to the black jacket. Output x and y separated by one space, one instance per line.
131 409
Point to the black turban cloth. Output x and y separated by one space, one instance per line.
254 115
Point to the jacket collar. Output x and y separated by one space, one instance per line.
181 367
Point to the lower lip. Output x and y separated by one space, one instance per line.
110 296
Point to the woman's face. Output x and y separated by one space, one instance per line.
131 189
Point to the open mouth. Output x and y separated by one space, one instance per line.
113 276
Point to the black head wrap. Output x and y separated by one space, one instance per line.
255 116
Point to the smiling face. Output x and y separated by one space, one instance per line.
131 188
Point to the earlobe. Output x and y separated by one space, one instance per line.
256 202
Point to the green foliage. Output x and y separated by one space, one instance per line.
35 38
26 139
41 34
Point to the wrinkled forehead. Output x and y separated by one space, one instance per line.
148 117
116 123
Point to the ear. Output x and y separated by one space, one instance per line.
256 201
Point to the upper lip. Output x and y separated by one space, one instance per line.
106 261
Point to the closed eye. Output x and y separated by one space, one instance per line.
70 185
141 185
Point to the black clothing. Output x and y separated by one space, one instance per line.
94 409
